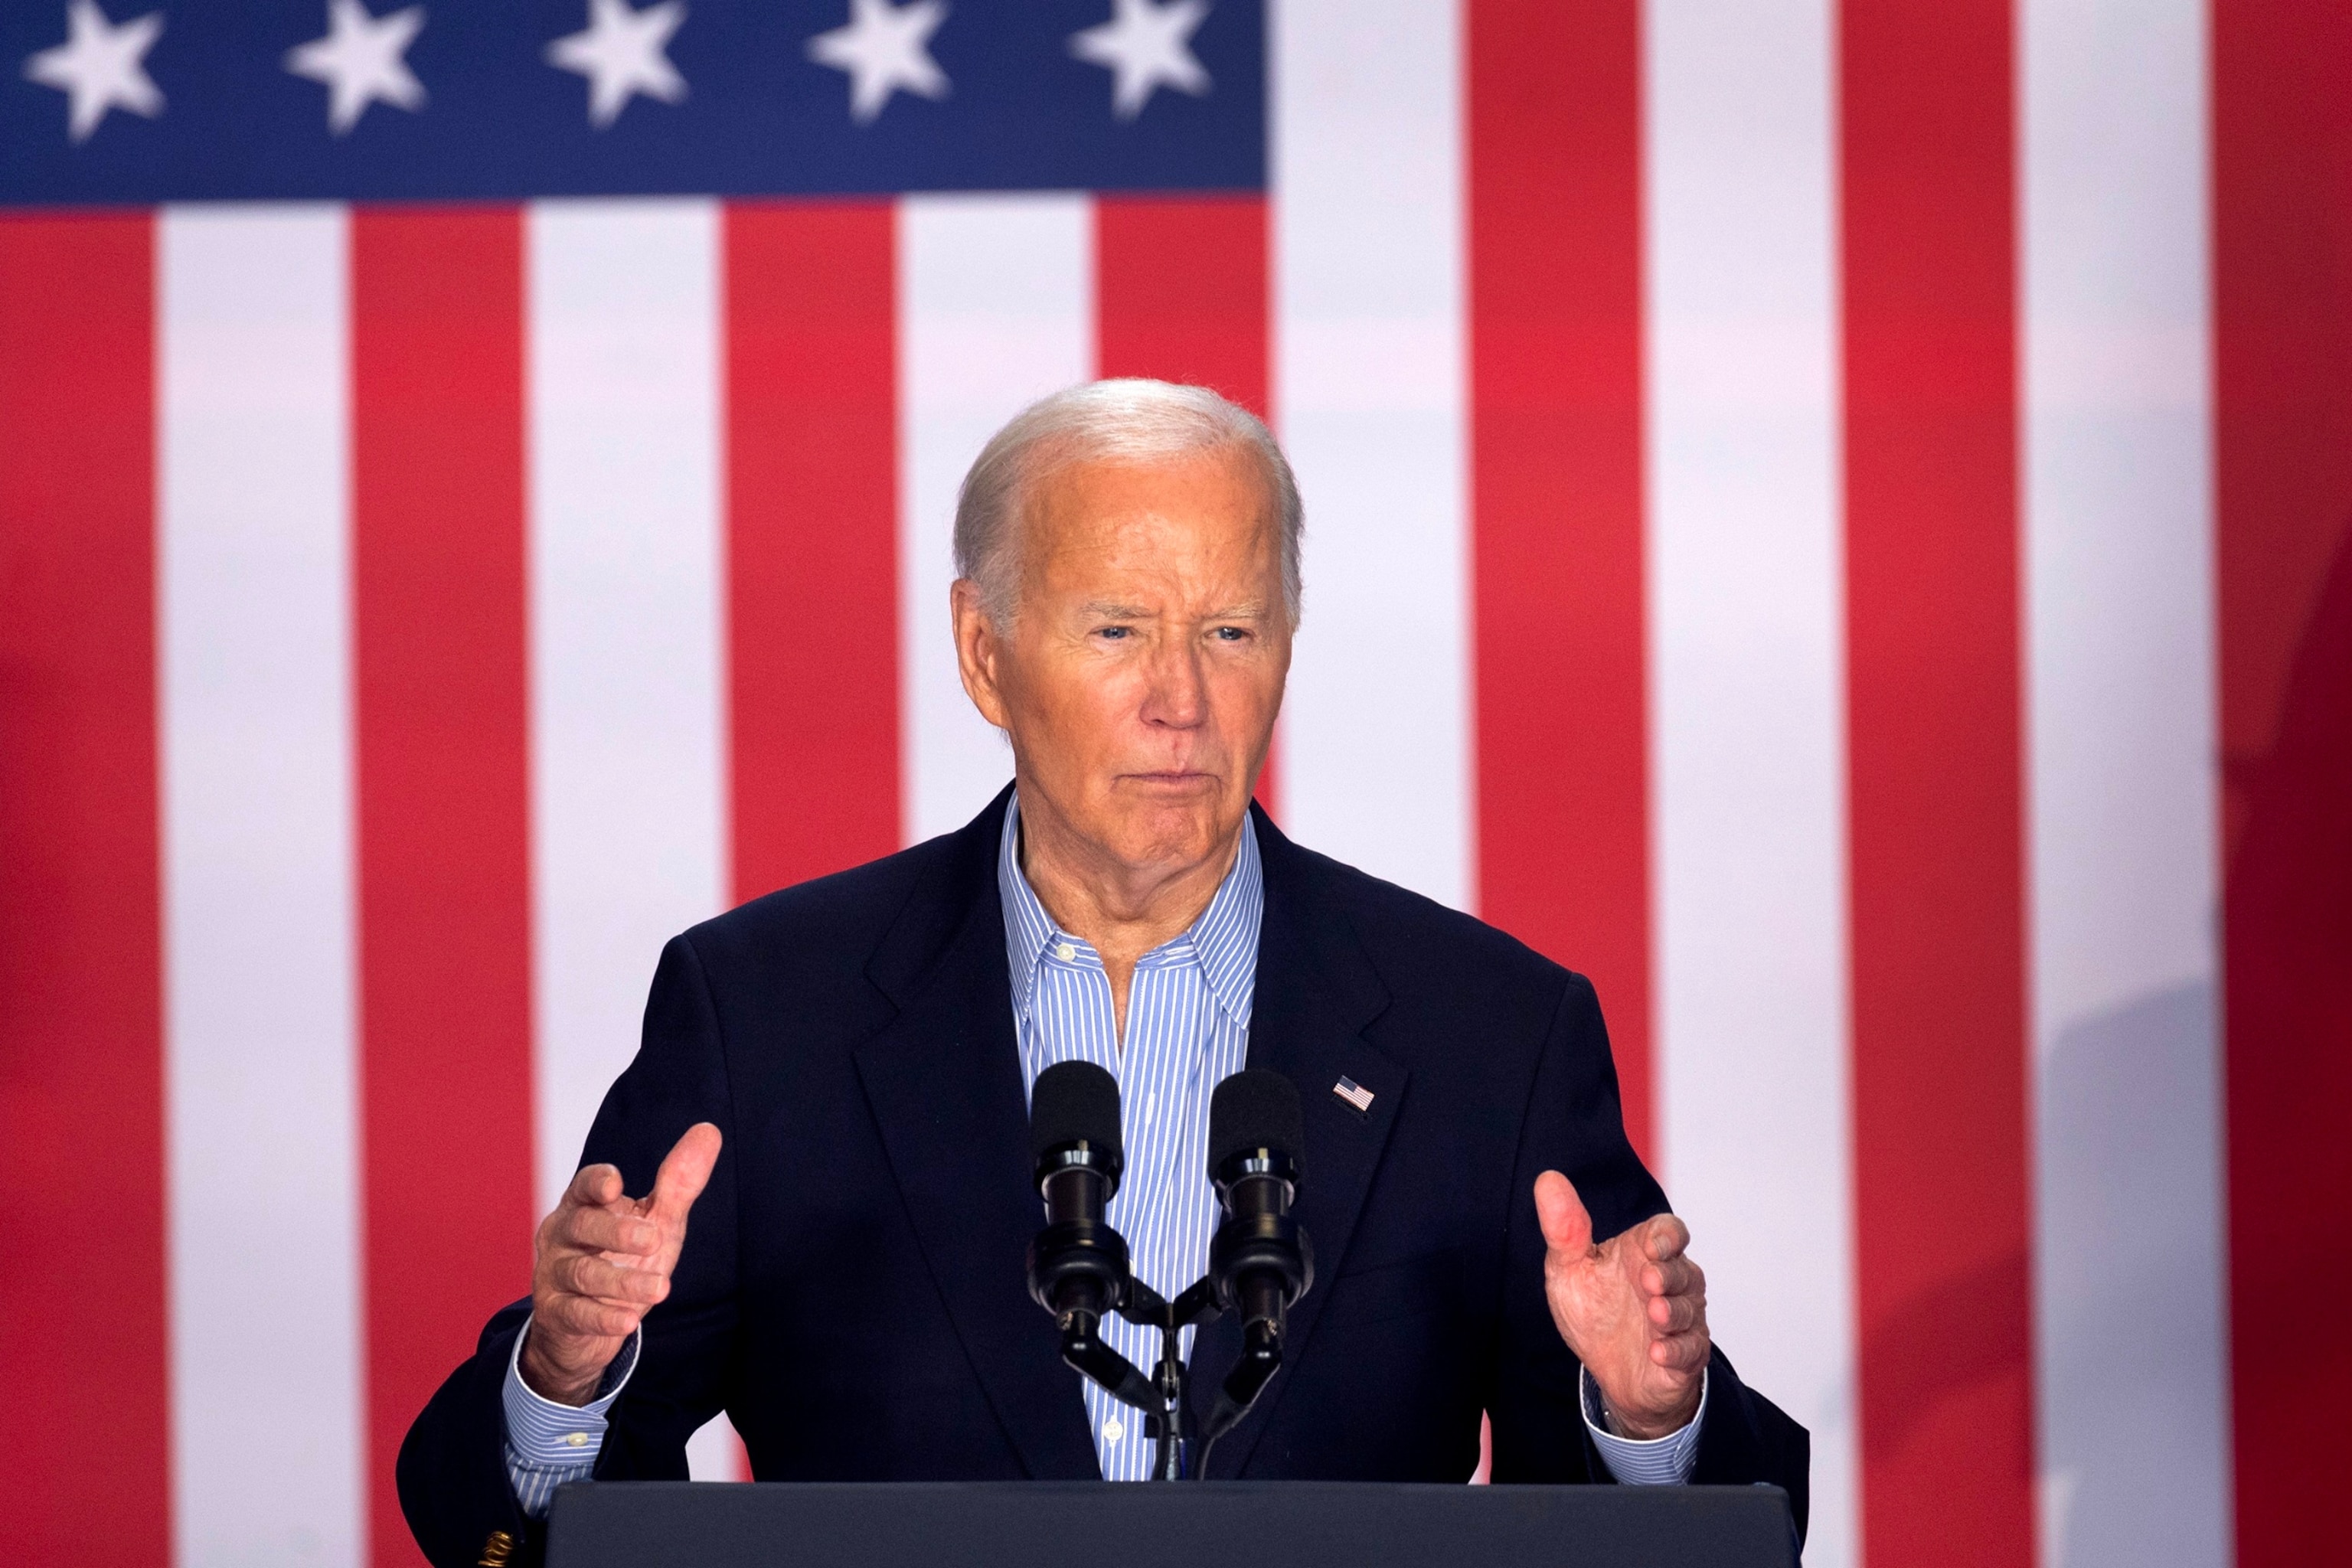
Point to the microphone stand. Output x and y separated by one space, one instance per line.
1170 1419
1165 1396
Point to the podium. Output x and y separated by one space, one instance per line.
1278 1524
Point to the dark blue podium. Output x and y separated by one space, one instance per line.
1269 1524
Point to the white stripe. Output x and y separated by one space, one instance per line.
1375 765
2132 1376
1746 616
628 828
996 310
258 956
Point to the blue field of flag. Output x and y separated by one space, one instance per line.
133 102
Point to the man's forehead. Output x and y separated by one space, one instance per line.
1194 538
1123 479
1147 526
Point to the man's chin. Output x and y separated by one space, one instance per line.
1168 824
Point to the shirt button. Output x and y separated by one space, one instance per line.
1066 952
576 1439
1114 1428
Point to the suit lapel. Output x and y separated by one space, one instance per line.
1315 994
943 1080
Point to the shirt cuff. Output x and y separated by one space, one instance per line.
545 1435
1662 1461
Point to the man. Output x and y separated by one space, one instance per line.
828 1114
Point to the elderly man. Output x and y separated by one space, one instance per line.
828 1114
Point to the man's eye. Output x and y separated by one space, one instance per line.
1230 633
1116 633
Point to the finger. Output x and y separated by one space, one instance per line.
594 1185
1566 1227
1674 1277
587 1316
1664 1237
1677 1314
608 1282
1680 1353
604 1230
684 1174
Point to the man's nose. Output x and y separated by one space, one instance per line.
1179 699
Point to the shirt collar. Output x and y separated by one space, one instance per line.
1223 941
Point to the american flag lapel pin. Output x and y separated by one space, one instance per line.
1353 1095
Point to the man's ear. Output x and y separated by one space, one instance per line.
979 651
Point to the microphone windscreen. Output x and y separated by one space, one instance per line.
1256 1110
1070 1102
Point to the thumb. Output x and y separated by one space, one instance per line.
684 1173
1566 1226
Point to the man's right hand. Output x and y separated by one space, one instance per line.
603 1260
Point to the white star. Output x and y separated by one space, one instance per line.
622 52
1147 46
99 67
359 61
884 50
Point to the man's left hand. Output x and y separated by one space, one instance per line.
1633 1308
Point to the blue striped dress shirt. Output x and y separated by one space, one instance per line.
1188 1016
1188 1013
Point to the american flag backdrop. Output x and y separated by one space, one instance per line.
1828 516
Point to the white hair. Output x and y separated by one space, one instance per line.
1121 421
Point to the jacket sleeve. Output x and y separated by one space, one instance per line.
453 1487
1574 1124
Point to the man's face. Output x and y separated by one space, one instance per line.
1144 664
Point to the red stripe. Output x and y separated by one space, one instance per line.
84 1430
2282 319
1181 295
1556 489
444 872
1939 1045
812 519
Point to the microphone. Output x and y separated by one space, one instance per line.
1078 1264
1074 1139
1260 1261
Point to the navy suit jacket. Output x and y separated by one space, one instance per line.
851 1291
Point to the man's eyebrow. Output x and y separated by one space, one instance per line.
1103 609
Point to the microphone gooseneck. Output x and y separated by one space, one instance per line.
1078 1264
1260 1261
